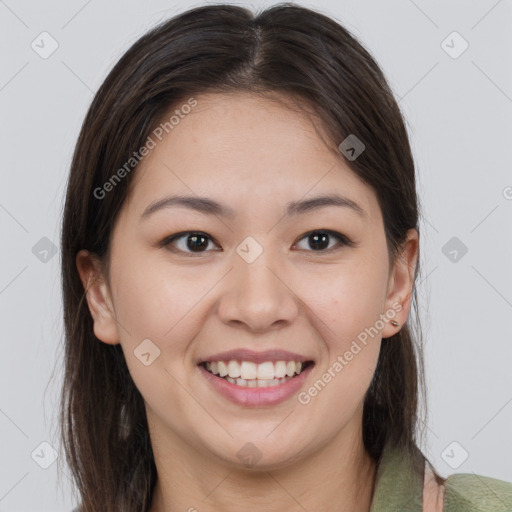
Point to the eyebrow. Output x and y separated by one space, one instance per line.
210 207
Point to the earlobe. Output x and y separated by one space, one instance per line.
98 297
401 284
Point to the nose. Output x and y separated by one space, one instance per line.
257 296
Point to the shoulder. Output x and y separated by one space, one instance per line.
466 492
469 492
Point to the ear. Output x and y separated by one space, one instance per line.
400 284
98 297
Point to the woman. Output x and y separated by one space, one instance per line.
240 248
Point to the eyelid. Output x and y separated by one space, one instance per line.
167 242
343 240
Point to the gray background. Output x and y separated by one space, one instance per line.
458 112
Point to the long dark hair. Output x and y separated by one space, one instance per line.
289 50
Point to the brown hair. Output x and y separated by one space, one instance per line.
290 50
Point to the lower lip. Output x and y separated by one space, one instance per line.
253 397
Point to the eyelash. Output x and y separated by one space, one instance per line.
343 240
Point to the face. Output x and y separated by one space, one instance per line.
186 284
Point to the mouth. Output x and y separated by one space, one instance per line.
249 374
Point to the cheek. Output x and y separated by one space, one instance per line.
161 304
153 299
350 299
168 306
347 303
347 307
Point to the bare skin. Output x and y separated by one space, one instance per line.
433 493
254 156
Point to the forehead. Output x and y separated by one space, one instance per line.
245 150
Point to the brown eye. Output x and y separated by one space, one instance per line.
318 241
188 242
197 242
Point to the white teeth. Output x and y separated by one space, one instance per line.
249 374
248 370
257 383
233 369
266 371
280 369
223 370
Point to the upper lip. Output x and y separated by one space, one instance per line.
255 357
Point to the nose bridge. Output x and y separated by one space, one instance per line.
252 270
257 295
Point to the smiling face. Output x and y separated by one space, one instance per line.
261 275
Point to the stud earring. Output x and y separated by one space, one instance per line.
395 323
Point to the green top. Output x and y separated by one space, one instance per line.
399 487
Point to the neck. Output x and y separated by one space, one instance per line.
341 473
